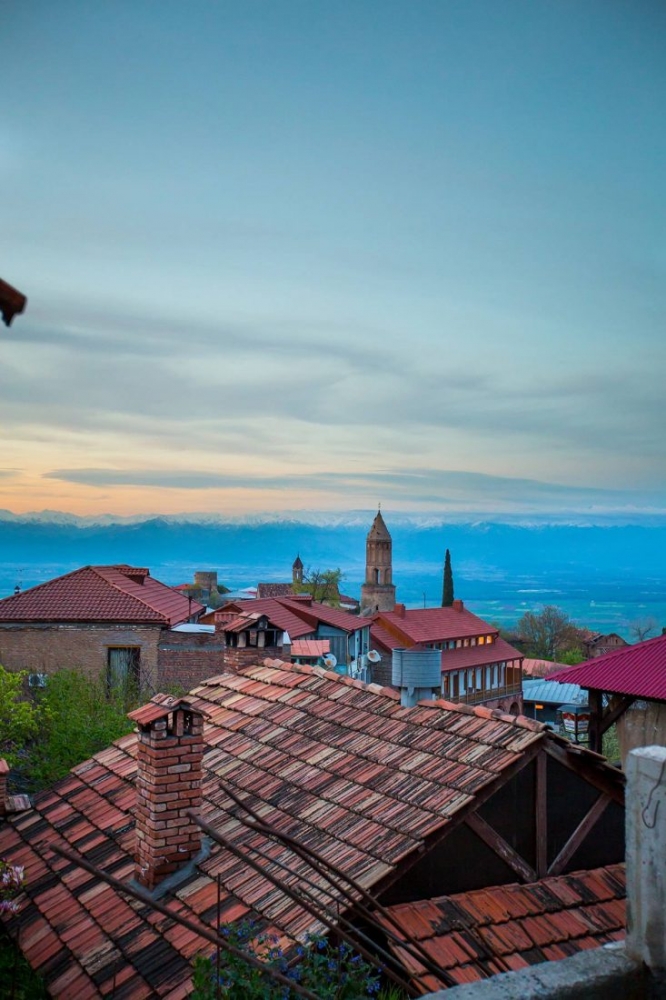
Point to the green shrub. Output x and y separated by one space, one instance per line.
19 717
78 718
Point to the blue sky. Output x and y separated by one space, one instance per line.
310 255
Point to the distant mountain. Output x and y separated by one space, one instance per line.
481 551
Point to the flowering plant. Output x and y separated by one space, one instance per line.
11 882
331 971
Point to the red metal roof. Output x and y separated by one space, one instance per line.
475 935
100 594
424 625
328 759
638 670
479 656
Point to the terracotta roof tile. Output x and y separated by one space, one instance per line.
100 593
473 933
340 764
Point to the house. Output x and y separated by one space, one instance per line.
101 619
543 699
410 803
478 666
598 644
626 686
261 624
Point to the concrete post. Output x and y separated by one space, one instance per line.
646 858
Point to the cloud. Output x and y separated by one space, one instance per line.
9 473
441 488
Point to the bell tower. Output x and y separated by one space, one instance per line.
378 591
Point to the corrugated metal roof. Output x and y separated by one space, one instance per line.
100 593
638 670
435 624
479 656
475 935
553 693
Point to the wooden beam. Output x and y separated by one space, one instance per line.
598 777
450 823
611 715
499 845
541 815
579 835
596 715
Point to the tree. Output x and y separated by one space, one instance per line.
322 585
549 633
642 628
447 590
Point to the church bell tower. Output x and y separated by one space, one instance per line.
378 591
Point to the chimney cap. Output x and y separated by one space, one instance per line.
159 707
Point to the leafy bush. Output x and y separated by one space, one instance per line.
19 718
332 972
78 718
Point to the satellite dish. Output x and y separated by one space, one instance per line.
374 656
330 661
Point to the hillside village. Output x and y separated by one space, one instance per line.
382 758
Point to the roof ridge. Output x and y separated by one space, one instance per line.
46 583
127 593
480 711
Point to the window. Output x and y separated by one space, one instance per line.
481 640
461 682
123 667
479 684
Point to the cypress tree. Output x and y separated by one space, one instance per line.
447 592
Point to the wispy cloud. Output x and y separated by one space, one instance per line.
439 488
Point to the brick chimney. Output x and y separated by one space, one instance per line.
458 605
4 771
399 609
169 759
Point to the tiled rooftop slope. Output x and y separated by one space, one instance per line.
475 935
340 764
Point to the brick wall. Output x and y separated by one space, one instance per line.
185 659
236 657
51 648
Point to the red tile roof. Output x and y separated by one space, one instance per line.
279 615
310 647
299 616
331 760
100 594
638 670
474 935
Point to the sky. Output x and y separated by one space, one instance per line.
297 255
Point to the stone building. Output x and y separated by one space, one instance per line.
378 591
